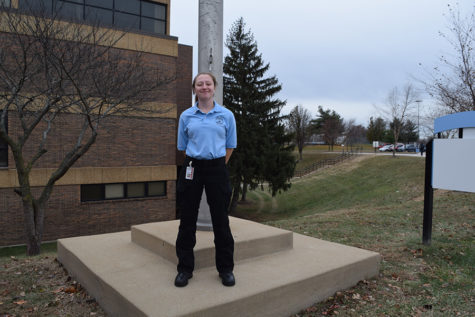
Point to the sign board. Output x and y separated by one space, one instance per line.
375 144
453 164
453 160
450 163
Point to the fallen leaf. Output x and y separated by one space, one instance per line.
20 302
70 290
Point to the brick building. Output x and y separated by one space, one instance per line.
128 176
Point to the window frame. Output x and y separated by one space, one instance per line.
102 188
85 6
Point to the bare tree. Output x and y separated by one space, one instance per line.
398 108
354 133
452 84
298 123
53 70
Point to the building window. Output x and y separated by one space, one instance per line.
4 146
127 14
104 16
97 192
114 191
129 6
126 21
5 3
108 4
92 192
135 190
36 5
70 10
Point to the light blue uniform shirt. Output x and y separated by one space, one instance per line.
206 136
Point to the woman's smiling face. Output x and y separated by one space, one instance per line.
204 87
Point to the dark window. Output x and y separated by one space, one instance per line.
92 192
154 26
70 10
5 3
154 10
108 4
127 21
129 6
100 16
3 155
157 188
98 192
36 5
135 190
127 14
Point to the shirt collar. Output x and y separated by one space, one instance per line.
217 107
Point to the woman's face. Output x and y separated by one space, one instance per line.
204 87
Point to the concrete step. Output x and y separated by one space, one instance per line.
129 280
250 240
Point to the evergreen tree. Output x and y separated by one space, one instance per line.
263 153
408 132
329 124
376 129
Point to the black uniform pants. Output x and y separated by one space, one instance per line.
212 175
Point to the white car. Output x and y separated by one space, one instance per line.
386 148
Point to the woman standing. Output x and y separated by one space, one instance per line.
207 135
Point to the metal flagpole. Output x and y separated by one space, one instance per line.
210 59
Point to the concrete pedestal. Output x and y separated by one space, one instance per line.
277 272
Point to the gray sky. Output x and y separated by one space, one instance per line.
345 55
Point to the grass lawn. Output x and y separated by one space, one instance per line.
312 157
376 203
372 202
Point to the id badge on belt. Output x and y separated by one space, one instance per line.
189 172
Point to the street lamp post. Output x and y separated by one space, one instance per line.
418 126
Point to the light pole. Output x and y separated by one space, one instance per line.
418 129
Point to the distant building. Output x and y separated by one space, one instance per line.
128 176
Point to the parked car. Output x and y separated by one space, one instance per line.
411 148
386 148
400 147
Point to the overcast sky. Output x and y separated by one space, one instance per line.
345 55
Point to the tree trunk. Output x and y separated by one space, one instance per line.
234 200
34 218
244 192
300 154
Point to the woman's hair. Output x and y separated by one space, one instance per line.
204 73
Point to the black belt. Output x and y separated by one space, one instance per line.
205 163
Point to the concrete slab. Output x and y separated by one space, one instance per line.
250 240
128 280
